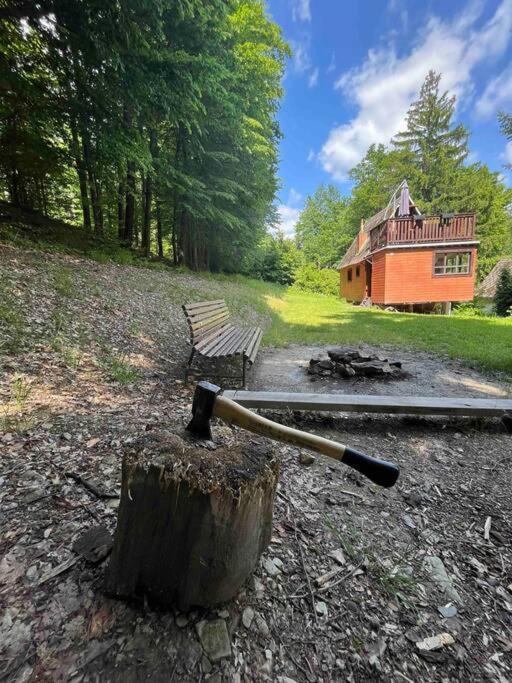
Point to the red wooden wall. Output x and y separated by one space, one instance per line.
407 278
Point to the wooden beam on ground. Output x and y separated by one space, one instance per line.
358 403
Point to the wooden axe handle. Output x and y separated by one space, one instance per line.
381 472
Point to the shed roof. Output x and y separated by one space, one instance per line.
487 288
353 255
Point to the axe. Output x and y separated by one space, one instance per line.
209 403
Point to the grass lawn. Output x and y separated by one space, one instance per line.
302 318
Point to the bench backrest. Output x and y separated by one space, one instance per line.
206 318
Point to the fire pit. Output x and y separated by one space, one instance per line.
348 362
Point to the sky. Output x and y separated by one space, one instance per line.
358 64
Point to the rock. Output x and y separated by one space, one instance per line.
321 609
345 370
447 611
271 567
261 624
206 665
214 638
437 572
325 365
181 621
306 458
259 588
435 642
247 617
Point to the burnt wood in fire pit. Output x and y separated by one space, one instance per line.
349 362
193 520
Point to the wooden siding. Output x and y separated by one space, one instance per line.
407 278
356 289
378 277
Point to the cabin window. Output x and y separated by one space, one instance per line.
349 274
357 271
452 263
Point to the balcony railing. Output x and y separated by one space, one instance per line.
423 229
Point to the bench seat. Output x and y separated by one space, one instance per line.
212 335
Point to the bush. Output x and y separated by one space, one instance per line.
467 309
324 281
503 296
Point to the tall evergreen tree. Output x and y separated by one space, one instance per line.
432 146
503 295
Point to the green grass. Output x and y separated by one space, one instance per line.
118 370
302 318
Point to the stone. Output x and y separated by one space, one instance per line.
345 370
271 567
437 572
306 458
321 609
447 611
214 638
261 624
181 621
247 617
325 365
206 665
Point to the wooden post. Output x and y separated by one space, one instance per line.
447 307
192 521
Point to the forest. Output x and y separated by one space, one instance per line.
155 125
152 123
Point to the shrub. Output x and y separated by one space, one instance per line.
503 296
324 281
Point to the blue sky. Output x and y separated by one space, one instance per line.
357 66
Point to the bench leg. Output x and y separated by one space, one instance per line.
187 370
244 362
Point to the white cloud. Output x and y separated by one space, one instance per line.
294 198
288 217
496 95
507 154
313 78
301 10
311 155
301 58
384 86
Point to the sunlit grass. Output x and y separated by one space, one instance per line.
301 318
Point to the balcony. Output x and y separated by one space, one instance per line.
423 229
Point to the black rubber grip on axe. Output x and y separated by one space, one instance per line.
379 471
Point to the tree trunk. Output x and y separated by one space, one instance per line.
82 178
146 218
192 523
129 214
121 190
159 230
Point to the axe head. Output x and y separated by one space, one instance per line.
202 409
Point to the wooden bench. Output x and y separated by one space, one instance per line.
213 336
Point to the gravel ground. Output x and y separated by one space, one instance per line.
356 579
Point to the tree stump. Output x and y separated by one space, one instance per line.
192 521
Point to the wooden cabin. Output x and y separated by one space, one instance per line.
405 259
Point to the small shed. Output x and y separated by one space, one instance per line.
487 288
